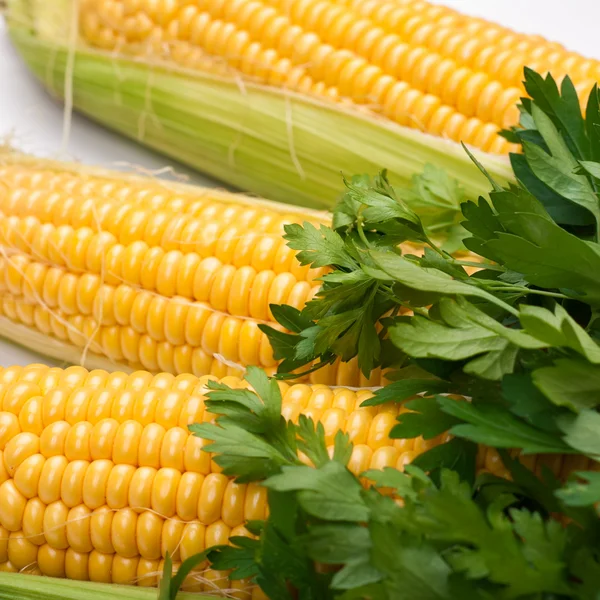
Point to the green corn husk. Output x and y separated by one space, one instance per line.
17 586
272 142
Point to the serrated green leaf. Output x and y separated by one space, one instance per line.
427 280
456 455
561 178
592 168
559 208
317 247
392 478
337 543
330 492
581 493
495 426
426 419
414 570
406 388
312 441
290 317
582 431
546 257
494 365
571 383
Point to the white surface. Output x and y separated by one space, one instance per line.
34 121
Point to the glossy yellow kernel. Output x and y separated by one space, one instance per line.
405 459
18 449
195 458
53 439
145 405
192 540
117 486
148 534
71 489
51 561
360 459
164 491
380 429
17 394
141 488
217 534
78 528
27 475
33 523
101 529
150 445
211 498
170 538
77 405
172 451
126 443
255 502
50 483
9 428
54 404
30 417
139 381
233 504
123 532
95 483
188 493
169 408
147 572
124 569
55 524
21 552
385 456
123 405
77 442
100 567
77 565
102 438
493 461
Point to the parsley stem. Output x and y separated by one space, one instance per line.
483 265
515 288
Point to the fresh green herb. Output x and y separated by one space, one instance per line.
517 338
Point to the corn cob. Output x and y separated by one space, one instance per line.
276 97
100 478
137 273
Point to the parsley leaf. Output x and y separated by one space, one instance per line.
581 493
494 425
426 419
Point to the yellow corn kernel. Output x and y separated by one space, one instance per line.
118 267
51 561
21 552
101 521
27 475
33 522
150 488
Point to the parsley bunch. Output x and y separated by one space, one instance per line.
519 337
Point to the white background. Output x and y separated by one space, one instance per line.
33 121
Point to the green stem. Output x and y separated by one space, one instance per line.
488 266
524 290
361 231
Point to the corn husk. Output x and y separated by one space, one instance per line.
21 586
272 142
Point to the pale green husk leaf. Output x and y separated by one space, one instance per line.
275 143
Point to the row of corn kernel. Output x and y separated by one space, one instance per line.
241 292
